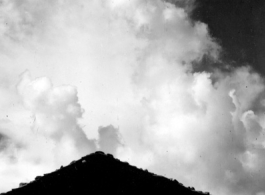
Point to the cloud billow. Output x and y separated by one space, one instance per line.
131 63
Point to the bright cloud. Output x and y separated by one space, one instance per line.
126 67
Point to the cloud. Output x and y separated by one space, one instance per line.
128 64
109 139
48 138
55 111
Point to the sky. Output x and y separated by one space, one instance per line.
238 27
175 87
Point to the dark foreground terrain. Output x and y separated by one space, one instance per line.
99 174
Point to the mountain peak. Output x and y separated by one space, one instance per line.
100 173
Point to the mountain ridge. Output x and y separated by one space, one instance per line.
100 173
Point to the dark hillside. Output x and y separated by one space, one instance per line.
99 173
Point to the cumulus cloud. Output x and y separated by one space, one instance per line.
131 62
46 136
55 111
109 139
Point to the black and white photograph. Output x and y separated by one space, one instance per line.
132 97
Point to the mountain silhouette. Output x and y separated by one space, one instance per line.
99 174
